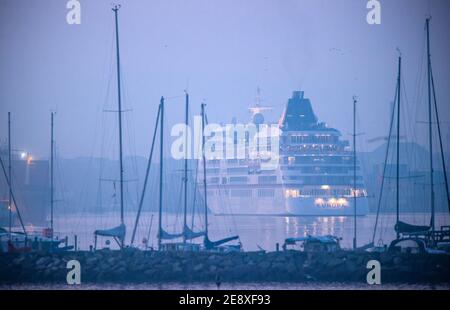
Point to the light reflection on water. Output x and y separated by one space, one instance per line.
255 232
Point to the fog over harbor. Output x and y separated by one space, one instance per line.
208 144
325 48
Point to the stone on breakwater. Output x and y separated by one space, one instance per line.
131 265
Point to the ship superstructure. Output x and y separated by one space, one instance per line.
313 174
317 165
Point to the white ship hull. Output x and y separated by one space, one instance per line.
222 205
306 206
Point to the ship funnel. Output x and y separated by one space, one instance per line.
298 114
298 94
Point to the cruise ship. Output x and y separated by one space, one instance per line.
313 175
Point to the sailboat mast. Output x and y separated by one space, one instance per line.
354 172
444 166
161 153
204 170
383 175
430 130
51 175
398 144
9 175
147 172
119 102
5 174
185 179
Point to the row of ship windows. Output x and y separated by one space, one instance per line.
266 192
271 179
246 140
348 192
241 170
319 148
291 160
320 169
309 169
243 180
288 193
240 162
317 180
309 139
294 139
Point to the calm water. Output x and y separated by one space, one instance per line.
255 232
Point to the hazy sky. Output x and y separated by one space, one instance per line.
222 50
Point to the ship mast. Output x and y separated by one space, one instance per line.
161 135
51 176
147 172
430 130
204 170
398 144
383 176
185 178
9 175
354 172
119 102
13 199
440 144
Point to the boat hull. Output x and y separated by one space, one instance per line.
307 206
282 206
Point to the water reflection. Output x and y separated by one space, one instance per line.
256 232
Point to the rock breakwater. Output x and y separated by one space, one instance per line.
135 266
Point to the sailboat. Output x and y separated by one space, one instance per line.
219 245
425 238
12 241
45 240
187 234
118 232
53 243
